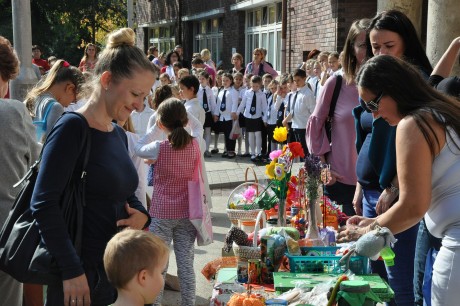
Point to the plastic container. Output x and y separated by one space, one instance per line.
355 287
388 256
324 260
276 302
247 225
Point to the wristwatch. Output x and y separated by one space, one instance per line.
392 189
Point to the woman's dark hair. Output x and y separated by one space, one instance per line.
190 81
161 94
9 62
404 83
168 57
397 22
173 116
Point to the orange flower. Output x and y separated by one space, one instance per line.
296 149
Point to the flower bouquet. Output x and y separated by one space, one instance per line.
279 173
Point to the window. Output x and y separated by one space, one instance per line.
208 35
162 38
264 30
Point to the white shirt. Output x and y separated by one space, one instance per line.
140 166
302 106
193 107
261 105
141 119
272 109
211 98
231 101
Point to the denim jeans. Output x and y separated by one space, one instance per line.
400 275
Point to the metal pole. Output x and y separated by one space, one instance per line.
130 5
22 41
283 35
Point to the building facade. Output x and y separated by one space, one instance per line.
228 26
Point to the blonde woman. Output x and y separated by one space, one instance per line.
206 57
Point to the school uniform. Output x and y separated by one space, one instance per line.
274 102
227 103
207 101
254 108
302 106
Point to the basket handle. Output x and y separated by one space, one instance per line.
253 172
260 215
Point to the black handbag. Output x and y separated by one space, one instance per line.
23 254
335 96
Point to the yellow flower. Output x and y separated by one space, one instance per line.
280 134
270 170
279 171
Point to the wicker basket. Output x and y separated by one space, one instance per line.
245 210
244 253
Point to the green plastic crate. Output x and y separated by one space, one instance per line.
324 260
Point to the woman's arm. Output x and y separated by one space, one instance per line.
414 162
444 66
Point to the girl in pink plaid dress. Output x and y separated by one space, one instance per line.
175 161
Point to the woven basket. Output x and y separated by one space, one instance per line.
244 253
245 210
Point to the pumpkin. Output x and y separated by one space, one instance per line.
252 301
236 300
245 299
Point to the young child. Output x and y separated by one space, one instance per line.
274 102
301 107
266 79
189 86
216 90
175 161
164 79
208 102
183 72
227 104
245 87
287 122
139 282
238 85
254 105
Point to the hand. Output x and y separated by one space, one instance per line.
136 219
234 116
76 291
350 233
215 118
358 200
385 200
334 177
150 161
359 221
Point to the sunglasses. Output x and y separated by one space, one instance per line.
371 106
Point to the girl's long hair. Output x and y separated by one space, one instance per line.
172 115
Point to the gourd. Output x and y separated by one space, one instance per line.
245 299
252 301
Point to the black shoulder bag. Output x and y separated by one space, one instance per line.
335 96
23 255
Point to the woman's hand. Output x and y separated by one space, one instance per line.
334 177
356 227
76 291
385 200
234 116
136 219
215 118
150 161
358 200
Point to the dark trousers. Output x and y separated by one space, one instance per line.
264 140
270 129
299 136
343 194
226 128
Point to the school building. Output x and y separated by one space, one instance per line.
228 26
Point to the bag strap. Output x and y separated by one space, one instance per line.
86 143
335 96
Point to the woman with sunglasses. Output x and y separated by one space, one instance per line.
428 164
392 33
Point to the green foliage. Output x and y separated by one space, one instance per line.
63 27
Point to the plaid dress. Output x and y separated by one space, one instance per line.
173 170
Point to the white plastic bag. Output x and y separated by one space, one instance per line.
236 130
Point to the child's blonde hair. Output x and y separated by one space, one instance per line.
183 72
141 250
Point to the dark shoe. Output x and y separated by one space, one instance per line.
253 158
246 155
207 154
225 154
214 151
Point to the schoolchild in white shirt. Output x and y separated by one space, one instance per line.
189 86
208 102
238 85
215 127
225 114
287 122
254 108
274 101
302 106
266 79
